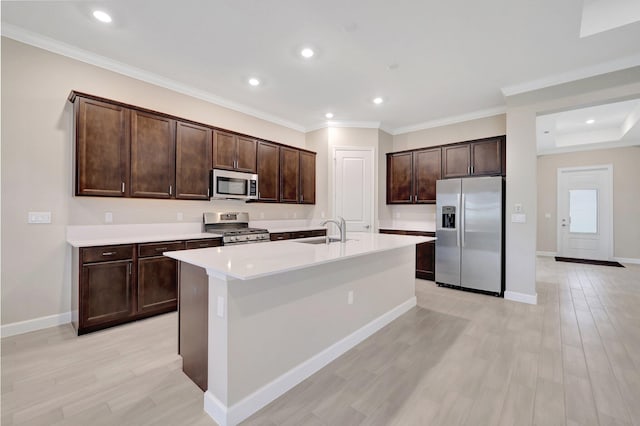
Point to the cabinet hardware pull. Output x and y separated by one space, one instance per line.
108 253
129 268
302 197
122 187
160 248
410 198
259 194
170 189
472 169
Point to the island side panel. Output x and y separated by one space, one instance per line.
193 322
276 323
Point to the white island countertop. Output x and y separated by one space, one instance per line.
248 261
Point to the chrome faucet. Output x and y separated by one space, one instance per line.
342 226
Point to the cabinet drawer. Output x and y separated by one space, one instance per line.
107 253
277 236
212 242
156 249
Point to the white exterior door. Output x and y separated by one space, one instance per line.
354 188
585 220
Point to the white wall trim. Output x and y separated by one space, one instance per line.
73 52
573 75
35 324
228 416
546 253
531 299
484 113
627 260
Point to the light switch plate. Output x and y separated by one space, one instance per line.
519 218
108 217
39 217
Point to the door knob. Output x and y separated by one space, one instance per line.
366 227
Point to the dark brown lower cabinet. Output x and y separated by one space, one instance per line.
105 293
425 253
157 285
278 236
123 283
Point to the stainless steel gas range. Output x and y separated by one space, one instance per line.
234 228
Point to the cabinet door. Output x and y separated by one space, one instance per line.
152 155
105 293
246 154
456 161
487 157
427 166
102 148
268 171
224 150
193 161
426 261
399 178
307 178
289 175
157 284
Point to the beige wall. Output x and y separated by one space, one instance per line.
626 196
37 170
522 163
458 132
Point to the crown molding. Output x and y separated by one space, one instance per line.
345 124
484 113
577 74
589 147
73 52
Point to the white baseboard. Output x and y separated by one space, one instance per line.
230 416
546 253
627 260
531 299
35 324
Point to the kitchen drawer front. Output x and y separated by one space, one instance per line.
156 249
211 242
403 232
277 236
107 253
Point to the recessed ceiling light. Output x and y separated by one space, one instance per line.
254 81
590 121
307 52
102 16
329 115
378 101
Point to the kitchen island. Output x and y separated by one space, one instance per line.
257 319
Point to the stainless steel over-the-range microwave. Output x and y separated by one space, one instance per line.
235 185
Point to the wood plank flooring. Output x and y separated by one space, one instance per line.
458 359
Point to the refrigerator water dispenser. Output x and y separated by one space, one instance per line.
449 217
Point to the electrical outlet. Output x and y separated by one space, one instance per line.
39 217
350 297
261 215
180 216
547 215
220 307
108 217
321 215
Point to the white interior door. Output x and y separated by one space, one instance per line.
354 188
585 221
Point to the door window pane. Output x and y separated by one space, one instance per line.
583 210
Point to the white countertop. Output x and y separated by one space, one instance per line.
250 261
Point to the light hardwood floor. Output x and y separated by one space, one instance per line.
459 358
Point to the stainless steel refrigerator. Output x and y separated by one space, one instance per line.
470 233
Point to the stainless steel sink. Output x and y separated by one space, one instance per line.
321 240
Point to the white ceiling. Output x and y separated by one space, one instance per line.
614 124
430 60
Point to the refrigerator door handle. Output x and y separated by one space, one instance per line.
462 221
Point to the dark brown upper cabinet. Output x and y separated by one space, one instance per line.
289 175
233 152
307 177
411 176
483 157
152 155
268 172
193 161
400 178
102 148
297 176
